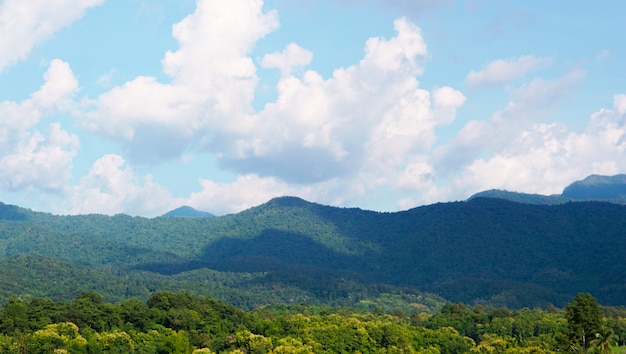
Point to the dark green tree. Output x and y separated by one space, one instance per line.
584 320
14 317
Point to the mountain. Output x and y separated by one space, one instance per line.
524 198
593 188
188 212
288 250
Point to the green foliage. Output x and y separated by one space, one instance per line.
604 339
483 251
182 323
584 321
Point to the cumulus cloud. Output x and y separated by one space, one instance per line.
318 129
292 56
112 187
25 24
212 84
619 102
545 157
527 105
503 71
370 115
534 158
39 162
30 158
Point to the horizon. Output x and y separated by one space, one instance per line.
137 108
176 208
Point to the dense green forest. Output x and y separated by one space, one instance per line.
485 251
180 323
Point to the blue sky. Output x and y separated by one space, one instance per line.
138 107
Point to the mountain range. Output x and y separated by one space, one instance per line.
489 249
610 189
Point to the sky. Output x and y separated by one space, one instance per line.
142 106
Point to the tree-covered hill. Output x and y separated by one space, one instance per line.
609 188
483 250
524 198
593 188
187 212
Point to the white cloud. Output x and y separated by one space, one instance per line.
243 193
527 105
546 157
212 84
403 52
112 187
364 121
503 71
24 24
60 85
29 158
39 163
619 102
215 42
367 117
54 95
292 56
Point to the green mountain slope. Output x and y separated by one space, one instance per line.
483 250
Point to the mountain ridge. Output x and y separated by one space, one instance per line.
592 188
483 250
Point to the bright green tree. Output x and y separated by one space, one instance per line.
604 340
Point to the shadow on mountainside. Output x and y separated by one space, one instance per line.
271 251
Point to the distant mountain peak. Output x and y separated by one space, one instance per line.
592 188
187 212
597 187
288 201
601 179
524 198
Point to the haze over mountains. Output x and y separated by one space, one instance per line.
484 250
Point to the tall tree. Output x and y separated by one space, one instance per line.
584 321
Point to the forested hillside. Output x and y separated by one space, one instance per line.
480 251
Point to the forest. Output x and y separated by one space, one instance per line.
181 323
485 251
497 273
